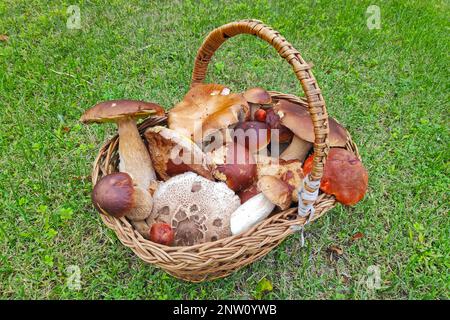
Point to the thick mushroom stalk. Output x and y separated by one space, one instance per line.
274 192
297 150
134 157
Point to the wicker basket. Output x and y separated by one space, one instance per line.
220 258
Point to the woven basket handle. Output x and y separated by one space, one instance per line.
316 103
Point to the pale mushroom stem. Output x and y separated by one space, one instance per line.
297 150
134 157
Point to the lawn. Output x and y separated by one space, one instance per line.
388 86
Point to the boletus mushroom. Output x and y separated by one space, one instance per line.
234 165
197 209
172 153
117 195
257 98
289 171
134 157
254 135
344 176
273 192
205 109
162 233
296 118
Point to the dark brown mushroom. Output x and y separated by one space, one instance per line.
254 135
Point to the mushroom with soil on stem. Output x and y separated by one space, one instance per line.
117 195
344 176
273 192
172 153
257 98
134 157
296 118
205 109
197 209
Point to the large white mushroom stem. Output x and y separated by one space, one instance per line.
134 157
297 150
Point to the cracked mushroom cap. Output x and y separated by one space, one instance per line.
172 153
344 176
297 119
114 110
197 209
205 109
257 95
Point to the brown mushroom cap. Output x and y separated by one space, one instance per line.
274 123
289 171
117 195
276 190
234 165
113 194
205 109
296 118
258 96
344 176
115 110
172 153
248 193
254 135
197 209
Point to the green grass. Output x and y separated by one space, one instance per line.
389 87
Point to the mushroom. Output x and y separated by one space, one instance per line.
172 153
257 98
289 171
196 208
296 118
254 135
162 233
116 194
234 165
248 193
344 176
274 192
207 108
134 158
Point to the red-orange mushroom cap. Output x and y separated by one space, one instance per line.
344 176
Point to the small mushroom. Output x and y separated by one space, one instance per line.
117 195
207 108
297 119
234 165
274 192
172 153
289 171
273 121
344 176
134 157
254 135
197 209
162 233
257 98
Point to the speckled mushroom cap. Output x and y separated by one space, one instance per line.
197 209
298 120
172 153
114 110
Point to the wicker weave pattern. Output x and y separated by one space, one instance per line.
220 258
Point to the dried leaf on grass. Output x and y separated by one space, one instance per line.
3 37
